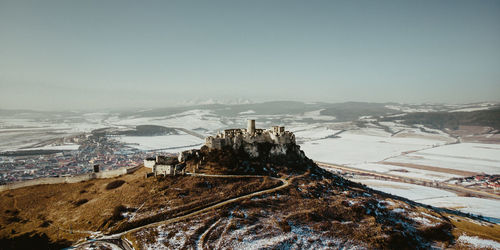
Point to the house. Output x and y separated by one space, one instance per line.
164 165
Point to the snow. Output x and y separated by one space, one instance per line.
488 208
405 171
298 237
423 221
438 198
248 112
409 109
165 142
176 241
316 115
475 157
478 242
57 147
314 133
191 119
469 109
410 191
362 146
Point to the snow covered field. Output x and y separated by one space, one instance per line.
167 143
475 157
191 119
309 133
57 147
438 198
405 171
364 146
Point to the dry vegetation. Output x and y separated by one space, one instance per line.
57 215
318 212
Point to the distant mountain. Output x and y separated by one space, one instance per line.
345 111
452 120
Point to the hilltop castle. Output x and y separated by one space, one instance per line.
238 137
250 140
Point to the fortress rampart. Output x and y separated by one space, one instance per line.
70 179
238 137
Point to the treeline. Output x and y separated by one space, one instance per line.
442 120
148 130
32 152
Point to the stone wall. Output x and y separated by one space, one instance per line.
70 179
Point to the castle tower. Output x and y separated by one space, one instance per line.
251 127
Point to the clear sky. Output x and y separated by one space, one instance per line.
110 54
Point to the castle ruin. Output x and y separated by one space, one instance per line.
237 137
164 165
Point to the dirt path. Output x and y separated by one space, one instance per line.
202 238
112 239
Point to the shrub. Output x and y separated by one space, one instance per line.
441 232
117 213
115 184
284 226
46 223
80 202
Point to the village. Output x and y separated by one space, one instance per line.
482 181
108 154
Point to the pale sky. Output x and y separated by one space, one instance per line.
119 54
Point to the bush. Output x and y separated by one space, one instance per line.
441 232
46 223
284 226
117 213
115 184
81 202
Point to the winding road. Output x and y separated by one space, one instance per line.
119 240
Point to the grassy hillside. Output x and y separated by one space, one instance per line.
57 215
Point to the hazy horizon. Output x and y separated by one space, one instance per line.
91 55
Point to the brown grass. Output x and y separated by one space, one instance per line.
486 230
61 212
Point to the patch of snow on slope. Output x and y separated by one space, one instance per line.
478 242
298 237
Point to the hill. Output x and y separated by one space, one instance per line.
234 201
452 120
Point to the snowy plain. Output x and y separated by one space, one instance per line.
437 197
364 146
475 157
405 171
168 143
